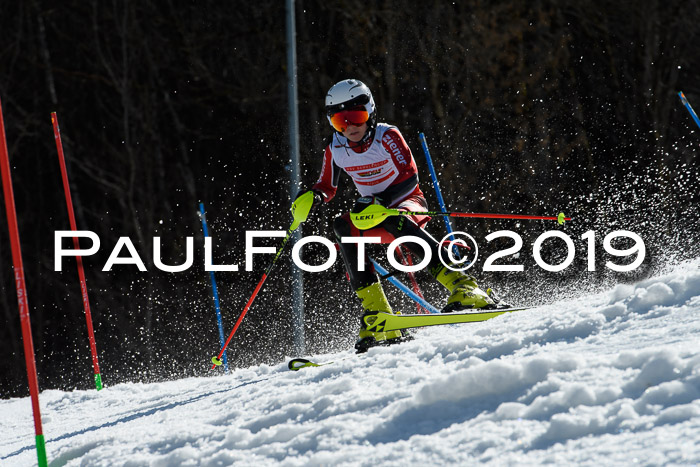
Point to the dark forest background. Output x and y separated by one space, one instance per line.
529 107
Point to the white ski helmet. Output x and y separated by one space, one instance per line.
348 94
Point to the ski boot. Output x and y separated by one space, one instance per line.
373 301
464 291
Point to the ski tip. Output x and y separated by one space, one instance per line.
299 363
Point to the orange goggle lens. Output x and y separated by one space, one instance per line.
343 119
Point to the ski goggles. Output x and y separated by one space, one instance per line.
355 116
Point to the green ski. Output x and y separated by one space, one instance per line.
387 322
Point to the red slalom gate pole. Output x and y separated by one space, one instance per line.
21 294
76 245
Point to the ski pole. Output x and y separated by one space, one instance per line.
690 109
374 214
441 201
217 360
215 290
559 218
78 259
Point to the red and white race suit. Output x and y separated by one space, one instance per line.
383 167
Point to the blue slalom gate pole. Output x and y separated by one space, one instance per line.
690 109
216 291
433 176
405 289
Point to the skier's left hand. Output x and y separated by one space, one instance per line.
365 201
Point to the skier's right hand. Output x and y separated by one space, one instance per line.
303 204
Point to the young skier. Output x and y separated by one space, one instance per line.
381 166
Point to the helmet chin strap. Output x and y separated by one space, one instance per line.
369 135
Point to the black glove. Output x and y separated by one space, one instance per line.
362 203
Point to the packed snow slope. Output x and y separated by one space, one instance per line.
606 379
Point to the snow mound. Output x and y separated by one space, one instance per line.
611 379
